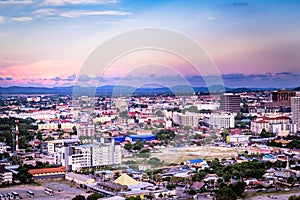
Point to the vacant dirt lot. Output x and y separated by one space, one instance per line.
178 155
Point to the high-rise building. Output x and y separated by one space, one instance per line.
219 120
295 108
230 103
75 156
187 119
283 97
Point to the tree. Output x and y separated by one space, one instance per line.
123 114
187 128
74 130
265 134
225 193
294 197
160 125
39 135
149 196
293 144
128 146
165 134
199 176
145 177
138 145
193 109
116 175
290 180
239 188
158 113
24 176
192 192
173 180
239 116
170 187
215 164
145 151
154 161
94 196
133 198
244 108
79 197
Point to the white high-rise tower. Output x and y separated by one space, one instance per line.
17 135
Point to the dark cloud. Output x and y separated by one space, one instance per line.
279 79
85 78
35 83
6 78
56 79
232 76
70 78
287 74
239 3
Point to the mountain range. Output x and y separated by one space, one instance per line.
110 90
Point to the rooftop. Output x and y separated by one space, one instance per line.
48 170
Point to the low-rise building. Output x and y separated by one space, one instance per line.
3 147
79 179
48 126
48 173
238 138
6 176
265 122
197 163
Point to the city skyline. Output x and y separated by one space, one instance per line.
252 43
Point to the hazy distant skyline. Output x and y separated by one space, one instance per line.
253 43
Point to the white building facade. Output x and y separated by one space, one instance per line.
75 157
219 120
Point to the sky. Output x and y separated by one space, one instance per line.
246 43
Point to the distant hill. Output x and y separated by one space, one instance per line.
296 89
36 90
111 90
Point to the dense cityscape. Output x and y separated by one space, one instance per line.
217 146
149 100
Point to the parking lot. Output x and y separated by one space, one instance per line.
61 189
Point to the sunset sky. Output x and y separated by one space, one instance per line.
252 43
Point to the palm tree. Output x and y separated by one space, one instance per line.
117 174
187 182
144 177
103 175
158 178
173 180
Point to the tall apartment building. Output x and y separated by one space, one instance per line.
295 108
219 120
187 119
283 97
70 153
230 103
